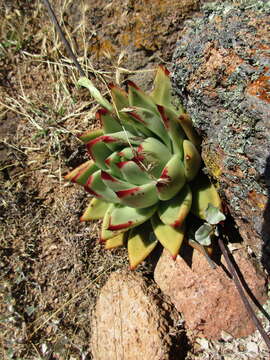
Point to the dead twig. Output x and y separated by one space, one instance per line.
238 284
62 35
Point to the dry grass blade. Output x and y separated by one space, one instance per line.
62 35
71 300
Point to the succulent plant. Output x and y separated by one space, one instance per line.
144 170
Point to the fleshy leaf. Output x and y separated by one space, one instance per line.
96 187
133 173
127 153
139 197
131 123
85 82
192 160
204 193
162 87
187 125
151 120
171 238
122 138
213 215
109 123
95 210
169 118
81 174
105 233
172 178
118 240
137 97
90 135
99 151
124 217
141 243
154 155
174 211
203 234
111 161
114 183
119 96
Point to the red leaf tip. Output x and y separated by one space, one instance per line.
132 84
101 112
165 70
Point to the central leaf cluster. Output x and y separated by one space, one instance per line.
143 164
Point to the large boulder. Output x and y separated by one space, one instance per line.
222 73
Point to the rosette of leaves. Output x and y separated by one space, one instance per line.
144 169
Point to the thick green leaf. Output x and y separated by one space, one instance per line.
133 173
187 125
172 178
171 238
114 183
95 210
169 118
128 153
174 211
110 124
151 120
155 155
161 93
119 96
192 160
105 233
81 174
141 243
97 188
129 122
125 217
120 139
90 135
137 97
83 81
118 240
139 197
111 162
204 193
99 151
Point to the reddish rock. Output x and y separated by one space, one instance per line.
130 322
206 297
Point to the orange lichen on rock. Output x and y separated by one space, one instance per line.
141 24
257 200
260 87
213 160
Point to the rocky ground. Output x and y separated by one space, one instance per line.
52 267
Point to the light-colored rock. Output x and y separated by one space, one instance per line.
206 297
128 322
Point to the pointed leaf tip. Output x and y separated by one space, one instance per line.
164 69
141 243
132 84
